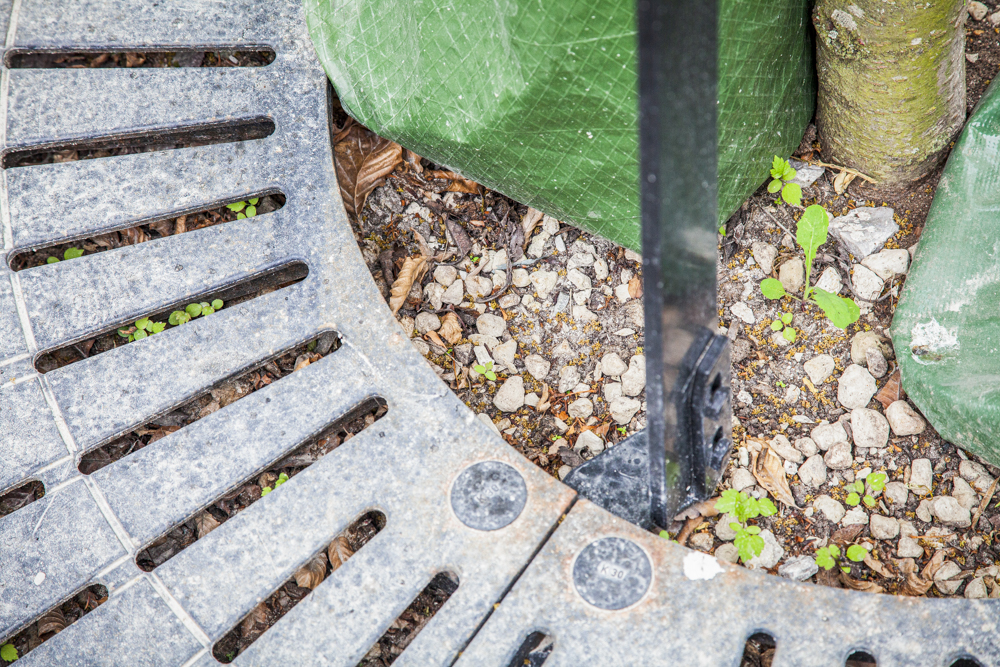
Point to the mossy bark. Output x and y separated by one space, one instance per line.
891 83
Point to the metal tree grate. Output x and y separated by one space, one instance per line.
455 498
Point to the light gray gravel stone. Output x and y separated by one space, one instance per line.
634 379
590 441
623 409
569 377
792 275
445 275
876 363
855 387
742 479
613 365
924 510
864 230
869 428
743 312
947 510
948 578
511 395
771 554
921 476
544 282
970 470
701 541
830 280
807 446
976 589
764 254
978 12
909 548
722 529
888 262
728 553
813 471
904 420
581 408
827 435
491 325
579 259
427 322
883 527
579 279
477 286
862 342
538 366
454 294
855 517
819 368
830 508
520 278
896 493
839 456
798 568
504 354
964 493
783 448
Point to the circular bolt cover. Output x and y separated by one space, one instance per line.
612 573
488 495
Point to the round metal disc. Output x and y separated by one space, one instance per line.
488 495
612 573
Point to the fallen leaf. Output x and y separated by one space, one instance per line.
543 401
255 622
338 552
134 59
464 185
180 225
889 393
51 624
934 564
828 578
312 573
204 524
434 338
986 501
385 261
842 180
770 473
363 160
915 585
458 235
413 160
635 287
412 271
878 567
530 220
860 584
301 362
451 328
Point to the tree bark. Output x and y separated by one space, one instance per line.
891 83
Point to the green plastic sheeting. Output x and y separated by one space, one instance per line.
946 330
537 100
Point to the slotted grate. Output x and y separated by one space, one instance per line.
455 498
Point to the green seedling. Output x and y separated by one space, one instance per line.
193 310
876 481
748 541
810 235
781 384
71 253
665 535
622 429
787 332
282 478
141 328
244 209
781 174
8 652
828 557
486 370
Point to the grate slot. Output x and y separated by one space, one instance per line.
20 496
141 57
57 619
759 650
860 659
534 650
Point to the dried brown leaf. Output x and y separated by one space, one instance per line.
878 567
935 563
205 523
889 393
842 180
635 287
413 160
51 623
412 271
464 185
860 584
109 240
458 235
255 622
530 220
312 573
451 328
301 362
543 401
363 160
435 339
180 225
767 467
846 535
915 585
339 551
133 236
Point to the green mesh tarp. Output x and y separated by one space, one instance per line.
946 329
537 100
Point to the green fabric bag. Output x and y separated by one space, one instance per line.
946 329
537 100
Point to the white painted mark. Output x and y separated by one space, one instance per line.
701 566
39 578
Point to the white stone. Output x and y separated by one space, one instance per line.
830 508
883 527
728 553
634 379
856 517
867 284
581 408
612 390
764 254
485 418
504 354
423 348
454 294
623 409
477 286
445 275
970 470
976 589
722 529
819 368
538 366
964 493
798 568
924 510
742 479
583 314
544 282
579 259
511 395
855 387
897 494
839 456
977 11
950 512
826 435
813 471
537 245
830 281
531 399
869 428
579 279
701 542
433 294
903 419
426 322
491 325
612 365
792 395
621 293
876 363
909 548
569 377
520 278
550 224
921 476
864 230
792 275
783 448
590 441
807 446
888 263
771 554
744 397
600 269
743 312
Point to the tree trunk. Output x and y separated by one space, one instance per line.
891 83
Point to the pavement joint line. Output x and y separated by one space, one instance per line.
20 380
179 611
114 566
14 359
8 232
130 543
61 485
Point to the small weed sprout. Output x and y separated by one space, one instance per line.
145 327
282 478
782 325
486 370
244 209
810 235
744 507
622 429
193 310
828 557
141 328
781 175
8 652
71 253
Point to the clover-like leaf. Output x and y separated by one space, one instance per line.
772 288
774 186
858 486
139 334
193 309
157 327
786 318
175 318
766 507
142 323
50 260
479 368
251 211
282 478
236 206
73 253
852 499
776 325
788 334
240 216
841 311
824 559
868 501
8 653
207 310
726 503
834 550
792 193
217 304
856 552
877 481
266 490
789 173
254 200
490 375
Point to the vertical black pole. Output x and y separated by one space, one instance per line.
678 46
